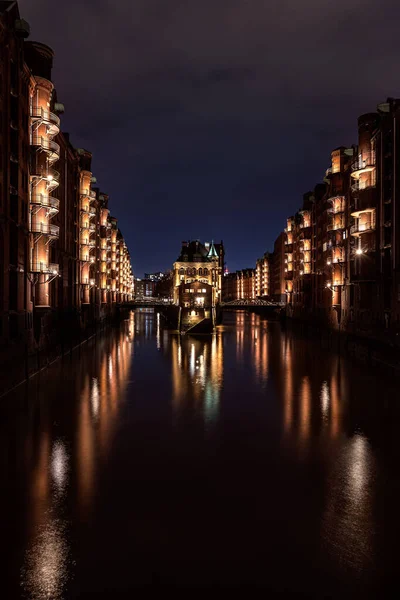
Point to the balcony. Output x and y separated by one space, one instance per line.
357 213
53 231
42 267
88 281
92 211
362 165
360 228
45 201
92 243
335 225
337 208
51 148
51 120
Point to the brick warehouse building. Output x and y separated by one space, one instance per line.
60 250
342 249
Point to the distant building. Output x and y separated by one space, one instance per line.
262 276
154 276
145 288
197 280
277 270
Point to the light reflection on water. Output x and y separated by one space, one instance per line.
197 374
49 565
295 403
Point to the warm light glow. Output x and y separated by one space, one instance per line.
359 251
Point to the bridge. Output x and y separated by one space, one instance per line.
148 302
243 304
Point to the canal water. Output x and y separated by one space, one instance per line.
253 457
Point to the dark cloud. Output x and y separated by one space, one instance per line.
210 119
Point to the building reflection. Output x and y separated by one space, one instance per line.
348 516
197 374
98 381
312 402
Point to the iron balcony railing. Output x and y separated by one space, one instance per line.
38 113
363 162
359 228
42 267
92 210
45 201
86 193
46 229
88 281
335 225
48 145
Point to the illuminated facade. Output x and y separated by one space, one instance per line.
262 276
342 248
54 224
197 282
200 262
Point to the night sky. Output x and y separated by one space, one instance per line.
210 118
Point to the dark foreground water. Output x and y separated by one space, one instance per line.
253 457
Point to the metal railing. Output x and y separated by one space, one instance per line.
46 229
47 145
365 161
361 228
45 201
42 267
45 115
335 225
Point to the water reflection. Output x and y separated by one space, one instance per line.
347 521
99 382
288 448
197 374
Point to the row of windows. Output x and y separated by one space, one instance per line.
193 271
191 291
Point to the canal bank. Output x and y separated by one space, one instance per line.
25 359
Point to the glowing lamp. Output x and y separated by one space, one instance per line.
359 251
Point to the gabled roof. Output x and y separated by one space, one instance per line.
212 253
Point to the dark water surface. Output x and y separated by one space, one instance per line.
251 457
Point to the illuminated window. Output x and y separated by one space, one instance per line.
204 291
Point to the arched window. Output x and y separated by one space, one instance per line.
205 271
200 271
188 271
181 271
